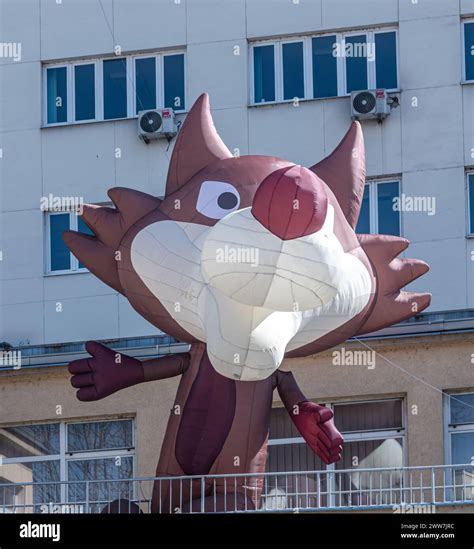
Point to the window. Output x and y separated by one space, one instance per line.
60 259
51 453
460 433
374 438
113 88
264 73
293 71
324 66
470 202
84 92
379 214
374 435
173 69
469 50
356 63
370 60
386 60
56 79
145 83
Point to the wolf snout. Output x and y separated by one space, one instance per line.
291 202
248 263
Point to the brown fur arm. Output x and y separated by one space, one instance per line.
288 390
314 422
164 367
107 371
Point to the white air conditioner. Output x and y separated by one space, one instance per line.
156 124
368 104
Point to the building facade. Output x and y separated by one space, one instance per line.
74 75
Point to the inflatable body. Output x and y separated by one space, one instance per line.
250 260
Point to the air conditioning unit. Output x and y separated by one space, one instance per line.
368 104
156 124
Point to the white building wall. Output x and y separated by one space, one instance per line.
427 141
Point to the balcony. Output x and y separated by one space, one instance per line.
406 489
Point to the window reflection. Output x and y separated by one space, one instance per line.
29 498
99 435
29 440
97 494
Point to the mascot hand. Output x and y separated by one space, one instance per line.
316 425
104 373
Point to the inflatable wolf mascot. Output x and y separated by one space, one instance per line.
251 260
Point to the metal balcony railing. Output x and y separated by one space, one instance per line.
405 489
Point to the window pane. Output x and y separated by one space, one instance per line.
57 95
367 488
368 416
462 445
83 228
84 80
324 67
99 435
363 223
388 218
462 409
471 203
29 440
60 255
280 490
173 71
356 62
98 494
386 59
30 499
145 84
281 425
115 89
469 50
292 457
264 73
293 71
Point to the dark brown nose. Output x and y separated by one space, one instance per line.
291 202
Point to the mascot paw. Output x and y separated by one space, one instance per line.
104 373
316 425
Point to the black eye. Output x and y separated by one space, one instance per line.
227 201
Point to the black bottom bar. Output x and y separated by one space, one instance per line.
326 530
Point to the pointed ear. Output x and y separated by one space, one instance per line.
344 172
197 145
